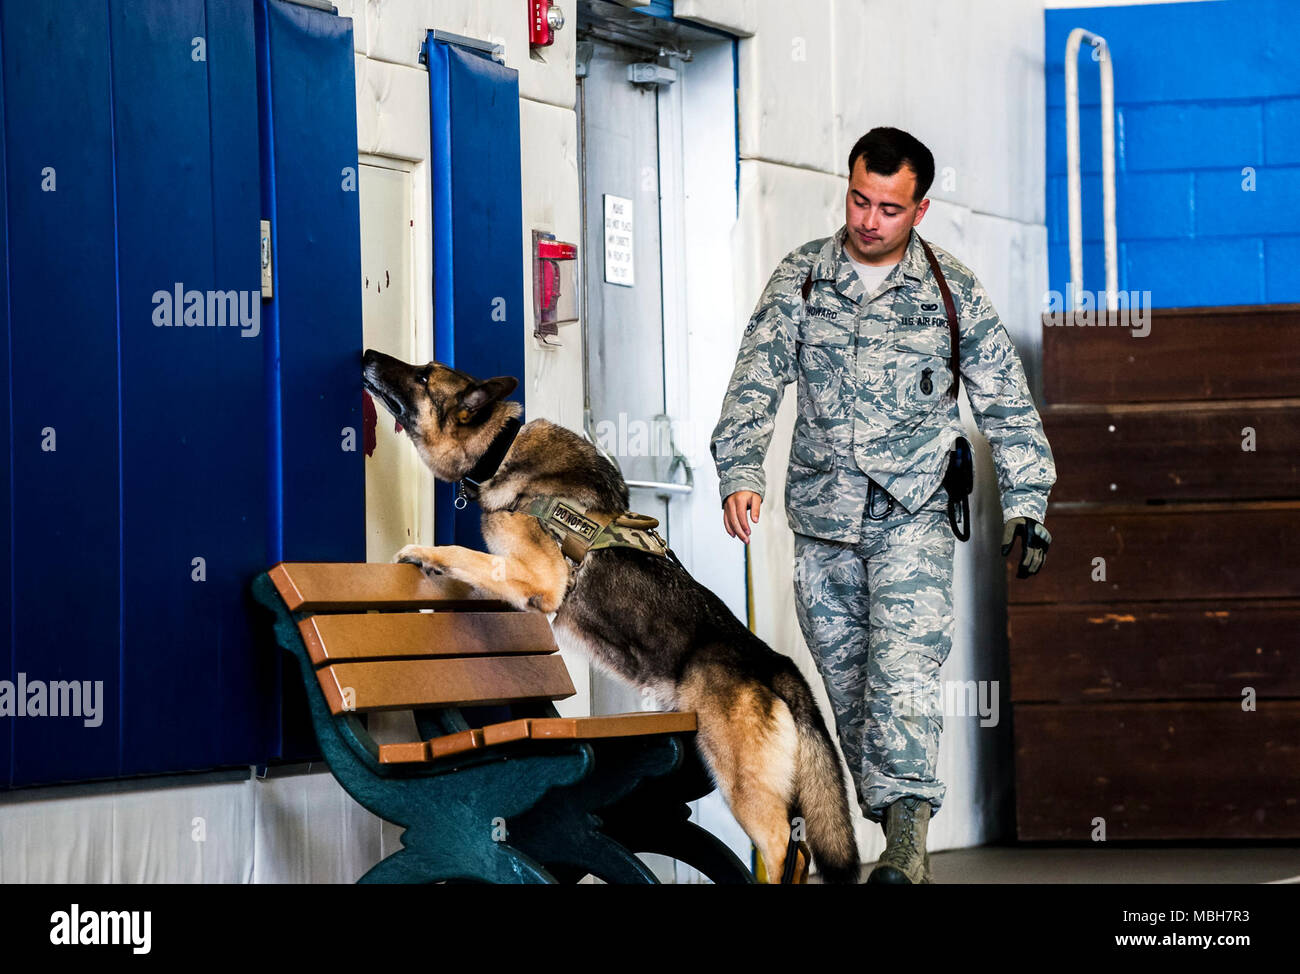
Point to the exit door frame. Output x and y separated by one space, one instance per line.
698 203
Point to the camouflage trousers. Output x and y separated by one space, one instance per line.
877 617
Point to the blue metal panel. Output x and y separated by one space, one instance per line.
192 456
63 335
478 286
248 666
309 136
6 446
162 430
160 102
317 241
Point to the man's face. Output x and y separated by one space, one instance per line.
880 213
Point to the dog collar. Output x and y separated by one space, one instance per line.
489 462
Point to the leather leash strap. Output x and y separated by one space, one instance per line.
951 309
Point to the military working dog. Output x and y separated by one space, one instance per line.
637 613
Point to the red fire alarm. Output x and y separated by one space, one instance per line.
544 19
555 285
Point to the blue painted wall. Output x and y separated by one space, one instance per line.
1203 91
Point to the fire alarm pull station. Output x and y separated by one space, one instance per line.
544 19
555 285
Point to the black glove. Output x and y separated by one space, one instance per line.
1034 543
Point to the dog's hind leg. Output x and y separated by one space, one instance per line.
525 567
748 738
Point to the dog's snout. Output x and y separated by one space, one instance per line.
379 362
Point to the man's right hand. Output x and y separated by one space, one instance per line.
737 509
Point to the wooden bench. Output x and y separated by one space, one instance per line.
498 787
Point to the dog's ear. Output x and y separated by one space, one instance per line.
483 394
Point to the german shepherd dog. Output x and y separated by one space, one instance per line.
636 613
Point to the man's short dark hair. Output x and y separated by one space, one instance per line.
887 150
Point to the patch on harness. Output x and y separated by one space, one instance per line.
570 519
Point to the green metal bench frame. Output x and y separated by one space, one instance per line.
569 807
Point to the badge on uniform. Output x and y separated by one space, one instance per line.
926 385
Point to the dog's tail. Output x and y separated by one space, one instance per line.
819 793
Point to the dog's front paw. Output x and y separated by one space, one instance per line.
419 556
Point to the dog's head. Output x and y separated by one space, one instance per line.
451 417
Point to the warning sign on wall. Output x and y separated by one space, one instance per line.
618 241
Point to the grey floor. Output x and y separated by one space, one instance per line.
1246 863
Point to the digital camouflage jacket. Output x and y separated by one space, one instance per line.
873 373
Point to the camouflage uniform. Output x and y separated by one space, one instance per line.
875 418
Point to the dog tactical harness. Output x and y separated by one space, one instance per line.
563 518
960 478
578 531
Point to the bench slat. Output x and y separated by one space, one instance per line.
540 728
407 684
349 587
379 635
590 728
454 743
407 752
614 725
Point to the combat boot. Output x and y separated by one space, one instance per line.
905 859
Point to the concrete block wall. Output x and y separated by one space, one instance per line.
1207 128
965 79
